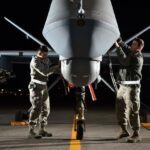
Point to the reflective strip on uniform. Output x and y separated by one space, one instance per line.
39 71
130 82
39 82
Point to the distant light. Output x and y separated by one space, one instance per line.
19 90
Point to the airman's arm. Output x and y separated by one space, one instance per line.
39 67
54 69
122 56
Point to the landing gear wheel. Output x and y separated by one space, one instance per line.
80 130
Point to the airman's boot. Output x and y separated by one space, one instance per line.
124 132
44 133
32 134
135 138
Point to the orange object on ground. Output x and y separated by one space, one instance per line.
19 123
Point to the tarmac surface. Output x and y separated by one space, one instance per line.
101 133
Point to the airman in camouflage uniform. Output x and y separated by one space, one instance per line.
128 95
40 67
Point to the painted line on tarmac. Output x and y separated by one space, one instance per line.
74 144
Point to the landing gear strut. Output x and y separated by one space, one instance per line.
80 107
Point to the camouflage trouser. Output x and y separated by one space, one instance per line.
80 105
128 105
40 109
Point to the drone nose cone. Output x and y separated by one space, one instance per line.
80 72
98 33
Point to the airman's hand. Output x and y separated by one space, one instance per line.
117 45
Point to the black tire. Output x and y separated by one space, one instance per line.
143 116
26 116
19 116
80 130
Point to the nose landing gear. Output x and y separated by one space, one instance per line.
79 128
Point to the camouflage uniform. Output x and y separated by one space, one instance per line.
39 97
128 95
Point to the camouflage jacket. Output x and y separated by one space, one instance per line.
41 69
131 63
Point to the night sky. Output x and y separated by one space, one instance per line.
132 16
